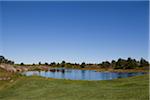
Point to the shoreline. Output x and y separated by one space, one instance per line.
115 70
97 69
11 68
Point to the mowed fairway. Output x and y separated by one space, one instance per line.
38 88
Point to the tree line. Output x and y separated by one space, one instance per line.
5 61
128 63
125 63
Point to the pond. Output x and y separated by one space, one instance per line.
76 74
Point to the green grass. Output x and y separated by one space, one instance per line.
38 88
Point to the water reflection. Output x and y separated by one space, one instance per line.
75 74
83 74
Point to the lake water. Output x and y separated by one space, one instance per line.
76 74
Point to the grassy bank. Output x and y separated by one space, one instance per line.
38 88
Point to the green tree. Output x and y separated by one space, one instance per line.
130 64
144 63
83 65
68 65
113 63
2 59
46 63
63 63
6 61
10 62
105 64
120 64
21 63
53 64
39 63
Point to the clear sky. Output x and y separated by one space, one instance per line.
74 31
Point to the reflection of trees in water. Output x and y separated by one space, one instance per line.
119 75
83 74
130 74
57 70
63 73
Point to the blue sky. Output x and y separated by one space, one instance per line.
74 31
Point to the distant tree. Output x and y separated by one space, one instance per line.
2 59
33 64
130 64
46 63
83 65
58 65
144 63
10 62
6 61
53 64
113 63
22 63
76 64
63 63
68 65
120 64
39 63
105 64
